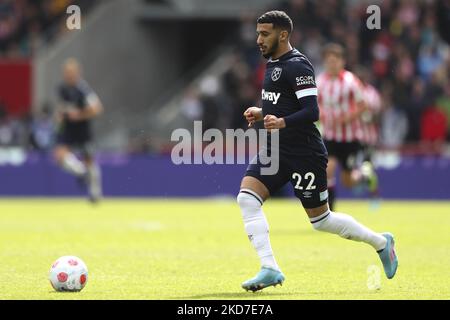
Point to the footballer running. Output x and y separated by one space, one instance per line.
78 105
302 155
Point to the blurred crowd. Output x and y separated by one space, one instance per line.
408 63
407 59
35 132
26 24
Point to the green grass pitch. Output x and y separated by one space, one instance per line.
197 249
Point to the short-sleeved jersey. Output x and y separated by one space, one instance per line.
286 81
79 97
339 96
370 125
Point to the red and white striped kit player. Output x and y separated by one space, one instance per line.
338 97
370 125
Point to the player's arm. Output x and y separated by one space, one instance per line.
59 113
93 107
62 106
361 106
360 103
377 108
309 114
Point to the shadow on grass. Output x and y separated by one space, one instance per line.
237 295
65 294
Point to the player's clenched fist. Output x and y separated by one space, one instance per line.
252 115
272 122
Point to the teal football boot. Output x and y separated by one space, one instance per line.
388 256
265 278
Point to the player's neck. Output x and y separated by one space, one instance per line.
336 74
282 50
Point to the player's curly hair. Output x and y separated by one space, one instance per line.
280 20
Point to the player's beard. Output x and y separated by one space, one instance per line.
270 53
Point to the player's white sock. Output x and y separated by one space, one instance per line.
95 186
71 164
256 226
347 227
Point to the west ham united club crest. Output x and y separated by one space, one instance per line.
276 74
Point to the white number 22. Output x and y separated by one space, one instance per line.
308 176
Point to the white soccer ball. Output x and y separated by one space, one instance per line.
68 273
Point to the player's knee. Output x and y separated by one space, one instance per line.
58 155
248 201
347 180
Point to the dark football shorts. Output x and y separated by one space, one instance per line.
78 142
307 174
347 153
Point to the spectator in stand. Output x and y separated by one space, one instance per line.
42 130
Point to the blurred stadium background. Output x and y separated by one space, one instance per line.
160 65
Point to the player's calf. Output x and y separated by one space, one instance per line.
69 162
94 182
348 228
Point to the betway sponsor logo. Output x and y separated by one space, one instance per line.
270 96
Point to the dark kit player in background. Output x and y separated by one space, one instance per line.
78 104
289 104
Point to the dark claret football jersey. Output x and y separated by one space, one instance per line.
78 97
287 80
